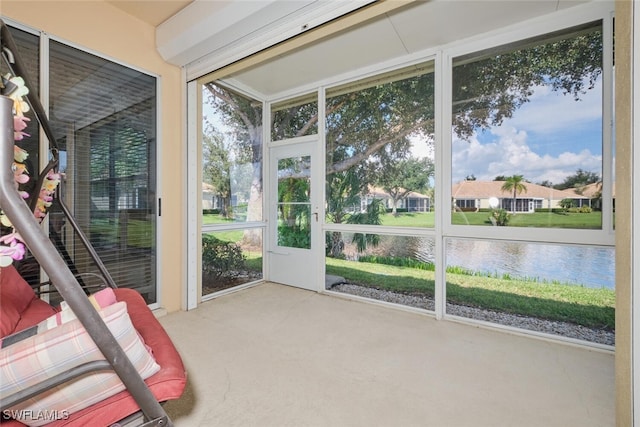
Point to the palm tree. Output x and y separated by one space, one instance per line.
514 183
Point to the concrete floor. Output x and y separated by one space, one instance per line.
277 356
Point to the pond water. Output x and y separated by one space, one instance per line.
592 267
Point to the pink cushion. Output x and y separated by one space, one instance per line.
35 312
41 356
167 384
20 308
99 300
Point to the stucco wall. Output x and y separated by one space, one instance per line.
624 214
104 29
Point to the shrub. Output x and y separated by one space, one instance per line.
294 237
397 261
499 217
582 209
221 259
566 204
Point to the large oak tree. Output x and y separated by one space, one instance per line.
374 120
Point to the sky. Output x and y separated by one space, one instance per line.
547 139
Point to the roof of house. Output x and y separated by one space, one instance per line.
592 190
381 193
486 189
208 188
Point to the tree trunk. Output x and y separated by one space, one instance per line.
336 245
253 236
254 209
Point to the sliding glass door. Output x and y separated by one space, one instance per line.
104 120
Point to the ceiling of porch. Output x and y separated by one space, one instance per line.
417 27
414 28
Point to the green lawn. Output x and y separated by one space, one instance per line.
584 306
227 236
591 220
138 233
215 219
537 219
412 219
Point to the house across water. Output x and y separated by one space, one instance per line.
475 195
409 201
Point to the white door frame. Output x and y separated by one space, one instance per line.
295 266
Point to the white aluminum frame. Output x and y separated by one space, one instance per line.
539 27
194 204
443 59
195 228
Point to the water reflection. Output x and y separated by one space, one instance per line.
582 265
589 266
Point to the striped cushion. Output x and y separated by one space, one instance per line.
99 300
41 356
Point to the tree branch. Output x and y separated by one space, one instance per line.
395 133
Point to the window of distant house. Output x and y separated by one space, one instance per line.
527 132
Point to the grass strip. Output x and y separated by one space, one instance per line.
591 220
594 308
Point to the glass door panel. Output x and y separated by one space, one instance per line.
294 202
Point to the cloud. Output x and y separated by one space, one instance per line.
508 153
548 138
549 112
422 147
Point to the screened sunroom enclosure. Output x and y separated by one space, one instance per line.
330 167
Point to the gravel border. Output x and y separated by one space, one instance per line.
564 329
